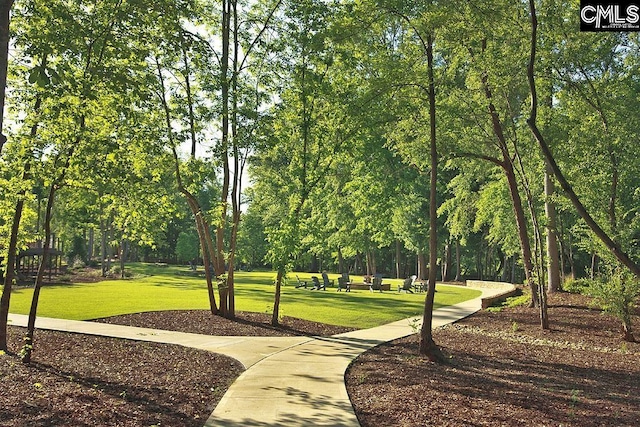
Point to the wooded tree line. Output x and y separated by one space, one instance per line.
366 127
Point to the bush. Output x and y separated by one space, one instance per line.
77 263
617 296
116 272
520 299
577 286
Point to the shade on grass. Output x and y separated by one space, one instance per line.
176 288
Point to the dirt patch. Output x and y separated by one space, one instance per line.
504 370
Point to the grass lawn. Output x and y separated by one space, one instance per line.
155 288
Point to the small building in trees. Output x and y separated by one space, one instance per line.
28 260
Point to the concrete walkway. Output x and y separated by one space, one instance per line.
289 381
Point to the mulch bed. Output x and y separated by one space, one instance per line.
80 380
503 370
245 324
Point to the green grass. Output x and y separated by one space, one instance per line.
156 288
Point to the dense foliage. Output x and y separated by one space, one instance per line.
322 109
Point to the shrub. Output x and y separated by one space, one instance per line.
523 299
76 263
577 286
116 272
617 296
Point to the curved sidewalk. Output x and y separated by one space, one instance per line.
289 381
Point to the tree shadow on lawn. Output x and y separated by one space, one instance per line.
356 301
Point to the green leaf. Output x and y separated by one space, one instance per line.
33 76
42 80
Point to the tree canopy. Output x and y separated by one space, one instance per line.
321 135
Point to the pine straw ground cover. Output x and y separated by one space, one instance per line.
504 370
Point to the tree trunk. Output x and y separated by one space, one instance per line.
204 233
427 346
521 223
563 251
507 166
505 269
12 248
109 239
9 272
28 339
458 273
5 21
219 259
357 263
90 246
276 302
539 245
398 256
103 247
422 266
371 263
122 256
340 262
236 189
553 270
446 262
479 267
187 81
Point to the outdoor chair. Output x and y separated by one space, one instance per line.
407 285
325 280
300 284
317 285
376 285
419 287
345 277
343 285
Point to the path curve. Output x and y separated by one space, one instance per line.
288 381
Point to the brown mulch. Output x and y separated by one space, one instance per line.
503 370
245 324
80 380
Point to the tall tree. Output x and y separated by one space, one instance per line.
5 20
613 247
300 150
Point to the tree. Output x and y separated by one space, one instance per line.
617 296
187 248
423 24
75 100
5 20
57 182
292 164
614 247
